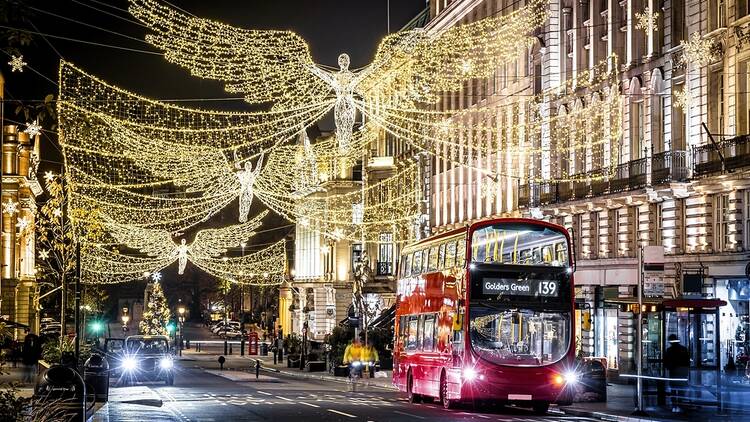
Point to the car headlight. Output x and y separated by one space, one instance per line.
470 374
129 364
356 363
571 377
166 363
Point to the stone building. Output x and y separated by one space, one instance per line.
18 287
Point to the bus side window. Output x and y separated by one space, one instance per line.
428 333
407 266
411 335
402 331
461 253
433 264
416 263
450 254
425 258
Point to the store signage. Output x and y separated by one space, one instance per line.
653 271
515 287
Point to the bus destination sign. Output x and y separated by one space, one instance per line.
515 287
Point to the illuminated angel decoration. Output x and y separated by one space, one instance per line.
208 243
306 166
247 176
269 66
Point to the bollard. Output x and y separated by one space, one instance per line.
221 360
275 356
230 348
257 368
187 344
242 347
225 348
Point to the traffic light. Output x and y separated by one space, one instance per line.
171 327
96 327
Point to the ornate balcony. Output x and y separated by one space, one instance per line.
735 152
669 166
629 176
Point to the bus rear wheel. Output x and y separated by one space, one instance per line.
413 397
541 408
446 402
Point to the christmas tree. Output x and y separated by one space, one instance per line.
156 315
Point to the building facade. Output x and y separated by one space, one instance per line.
18 287
680 179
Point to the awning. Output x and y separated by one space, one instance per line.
693 303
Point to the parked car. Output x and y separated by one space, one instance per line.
230 325
232 334
147 358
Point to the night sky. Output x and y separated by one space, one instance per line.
329 26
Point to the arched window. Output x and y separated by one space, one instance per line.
658 105
637 121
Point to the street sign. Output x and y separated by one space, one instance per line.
653 271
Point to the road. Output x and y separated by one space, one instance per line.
199 394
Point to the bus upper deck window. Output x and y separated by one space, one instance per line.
441 257
450 254
433 264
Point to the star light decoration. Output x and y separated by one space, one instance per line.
33 129
22 223
698 50
156 276
10 207
16 63
44 254
682 99
647 20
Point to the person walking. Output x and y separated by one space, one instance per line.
677 362
30 356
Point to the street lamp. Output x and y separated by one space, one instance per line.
125 318
181 312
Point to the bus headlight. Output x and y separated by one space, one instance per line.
571 377
470 374
166 363
129 364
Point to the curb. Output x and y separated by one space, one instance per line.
327 378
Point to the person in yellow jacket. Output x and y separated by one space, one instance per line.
353 358
370 357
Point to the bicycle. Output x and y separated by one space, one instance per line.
355 371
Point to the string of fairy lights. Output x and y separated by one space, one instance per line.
153 170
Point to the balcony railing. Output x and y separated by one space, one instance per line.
707 159
384 268
669 166
627 176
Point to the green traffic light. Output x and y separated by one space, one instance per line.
171 327
97 326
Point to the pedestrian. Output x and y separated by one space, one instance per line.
370 357
677 362
30 356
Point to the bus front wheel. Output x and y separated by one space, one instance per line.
447 403
413 397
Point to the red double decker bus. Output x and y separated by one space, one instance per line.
485 313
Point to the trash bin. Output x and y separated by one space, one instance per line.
264 349
96 376
60 390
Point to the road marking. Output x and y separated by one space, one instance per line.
263 392
283 398
341 413
408 414
309 404
483 417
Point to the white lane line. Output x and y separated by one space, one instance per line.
309 404
263 392
483 417
408 414
341 413
283 398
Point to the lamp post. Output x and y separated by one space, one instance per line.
125 318
181 312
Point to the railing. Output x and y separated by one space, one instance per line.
384 268
669 166
628 176
707 158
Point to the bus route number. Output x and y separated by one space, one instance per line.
548 288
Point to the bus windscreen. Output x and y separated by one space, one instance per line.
519 244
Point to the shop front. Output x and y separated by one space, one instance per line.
735 324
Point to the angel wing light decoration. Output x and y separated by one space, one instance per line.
208 243
270 66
